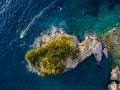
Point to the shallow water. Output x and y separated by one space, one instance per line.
18 16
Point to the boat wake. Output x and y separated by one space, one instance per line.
23 33
4 7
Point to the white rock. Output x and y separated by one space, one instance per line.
75 41
114 73
91 45
105 52
49 36
112 86
70 63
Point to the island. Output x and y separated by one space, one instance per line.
59 52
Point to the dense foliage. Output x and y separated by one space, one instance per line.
49 58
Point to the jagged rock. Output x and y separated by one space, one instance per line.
114 76
75 40
112 86
91 45
70 63
105 52
51 35
114 73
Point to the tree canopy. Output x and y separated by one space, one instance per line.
49 59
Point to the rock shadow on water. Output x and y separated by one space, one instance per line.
87 75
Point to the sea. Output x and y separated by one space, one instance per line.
23 21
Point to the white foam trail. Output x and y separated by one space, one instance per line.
23 33
5 6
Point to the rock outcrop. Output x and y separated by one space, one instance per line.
105 52
92 45
114 76
112 86
51 35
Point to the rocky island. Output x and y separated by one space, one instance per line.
59 52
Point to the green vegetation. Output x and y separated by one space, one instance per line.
116 55
49 59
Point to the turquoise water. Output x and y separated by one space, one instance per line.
21 21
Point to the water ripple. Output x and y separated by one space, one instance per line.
5 6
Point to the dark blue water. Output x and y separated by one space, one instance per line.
36 16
